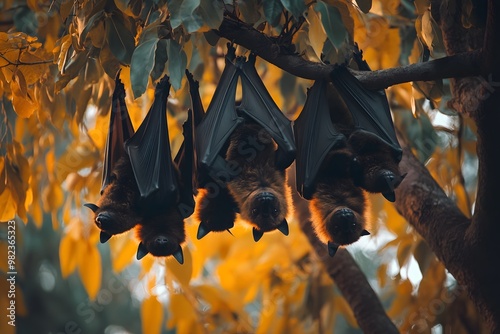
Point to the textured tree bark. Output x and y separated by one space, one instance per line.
460 65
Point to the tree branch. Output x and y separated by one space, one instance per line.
348 277
460 65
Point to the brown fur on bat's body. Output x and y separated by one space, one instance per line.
258 191
160 229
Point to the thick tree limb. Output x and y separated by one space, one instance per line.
460 65
348 277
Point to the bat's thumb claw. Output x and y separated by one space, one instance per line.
283 227
365 232
91 206
257 234
203 230
178 255
142 251
104 236
390 196
332 248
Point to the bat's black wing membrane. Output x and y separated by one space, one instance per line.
259 106
186 164
315 136
220 120
197 106
370 109
120 129
150 154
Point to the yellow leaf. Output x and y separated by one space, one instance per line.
402 300
7 206
90 270
151 315
22 103
317 35
123 255
182 272
52 197
182 313
69 255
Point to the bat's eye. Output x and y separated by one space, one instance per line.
254 212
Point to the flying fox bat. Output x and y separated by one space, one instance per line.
159 192
323 173
118 202
245 148
372 137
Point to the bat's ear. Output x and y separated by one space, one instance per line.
257 234
365 232
332 248
178 255
283 227
103 237
142 251
203 230
92 207
390 196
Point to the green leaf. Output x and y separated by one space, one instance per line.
272 11
212 12
183 12
161 58
332 22
364 5
177 61
296 7
141 65
120 40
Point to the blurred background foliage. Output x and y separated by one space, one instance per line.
58 59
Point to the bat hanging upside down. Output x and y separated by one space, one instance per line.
346 145
142 186
243 151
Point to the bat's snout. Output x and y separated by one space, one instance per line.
265 205
344 226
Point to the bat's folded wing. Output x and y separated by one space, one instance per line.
150 154
258 105
370 109
315 136
120 129
220 119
